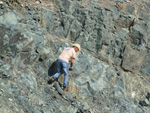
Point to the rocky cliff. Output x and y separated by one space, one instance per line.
111 72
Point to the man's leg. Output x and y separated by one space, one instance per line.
59 67
56 75
65 66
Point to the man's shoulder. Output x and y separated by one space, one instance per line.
68 49
72 49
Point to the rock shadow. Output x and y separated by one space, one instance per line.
52 69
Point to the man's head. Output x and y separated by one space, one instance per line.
76 47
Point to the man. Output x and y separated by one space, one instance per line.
63 63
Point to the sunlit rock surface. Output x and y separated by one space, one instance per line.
111 72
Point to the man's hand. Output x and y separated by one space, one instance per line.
72 68
72 61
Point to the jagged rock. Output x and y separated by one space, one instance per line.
33 36
2 31
133 59
9 19
145 69
139 34
146 101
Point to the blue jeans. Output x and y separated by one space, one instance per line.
61 64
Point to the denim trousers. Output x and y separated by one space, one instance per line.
62 65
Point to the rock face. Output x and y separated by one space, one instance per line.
133 59
111 72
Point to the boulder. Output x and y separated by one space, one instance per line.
133 59
139 34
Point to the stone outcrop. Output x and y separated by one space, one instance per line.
133 59
111 73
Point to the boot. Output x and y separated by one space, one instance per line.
65 89
51 80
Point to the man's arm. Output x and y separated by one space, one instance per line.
72 61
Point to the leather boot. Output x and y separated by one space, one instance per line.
65 89
51 80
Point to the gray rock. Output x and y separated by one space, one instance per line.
139 34
9 19
3 30
130 9
133 59
32 38
145 69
